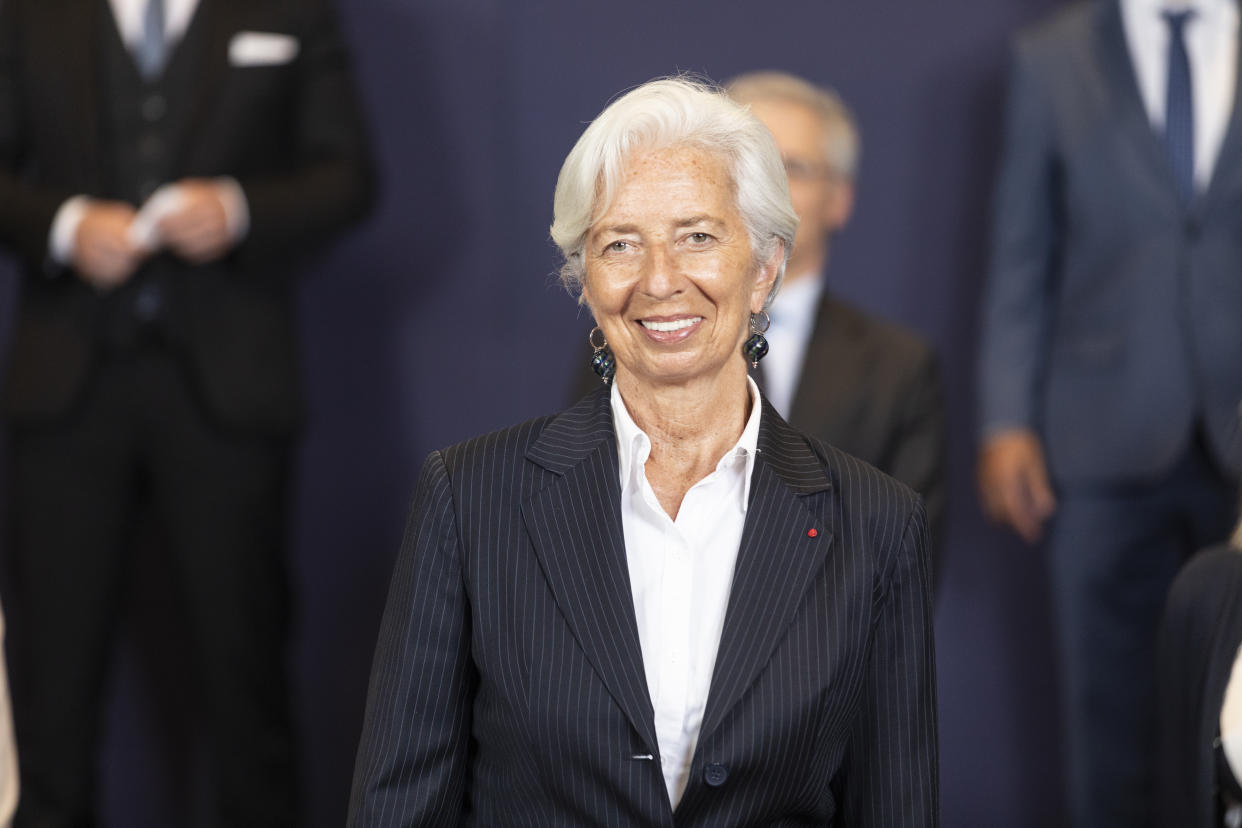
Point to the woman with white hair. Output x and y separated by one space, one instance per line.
663 606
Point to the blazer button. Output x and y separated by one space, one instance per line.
715 775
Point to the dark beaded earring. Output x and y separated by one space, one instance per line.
603 362
755 347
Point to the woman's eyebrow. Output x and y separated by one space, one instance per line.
703 218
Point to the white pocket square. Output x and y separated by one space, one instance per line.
262 49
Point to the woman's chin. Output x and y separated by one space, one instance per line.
679 373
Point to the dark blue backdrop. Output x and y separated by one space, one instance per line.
441 318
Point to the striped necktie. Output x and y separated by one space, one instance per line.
1179 114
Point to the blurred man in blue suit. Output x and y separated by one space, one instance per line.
1111 359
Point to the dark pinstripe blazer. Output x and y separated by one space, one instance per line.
508 686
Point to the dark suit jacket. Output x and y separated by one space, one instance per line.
1111 313
872 388
508 686
290 134
1199 637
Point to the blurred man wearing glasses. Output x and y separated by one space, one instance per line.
865 385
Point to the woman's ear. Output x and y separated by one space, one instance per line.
766 277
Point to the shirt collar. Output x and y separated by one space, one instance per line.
797 300
634 446
1152 9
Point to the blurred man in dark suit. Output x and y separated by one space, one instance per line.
1111 357
863 384
164 166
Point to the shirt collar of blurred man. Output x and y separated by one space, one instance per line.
129 16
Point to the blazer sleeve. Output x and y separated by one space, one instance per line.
890 775
26 211
1023 250
413 759
331 180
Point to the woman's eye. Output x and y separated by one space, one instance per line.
618 246
700 238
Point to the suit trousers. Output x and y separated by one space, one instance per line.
139 438
1114 550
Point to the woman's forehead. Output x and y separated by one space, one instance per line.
676 183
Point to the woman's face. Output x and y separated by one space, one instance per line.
670 276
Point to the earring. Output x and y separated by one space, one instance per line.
602 360
755 347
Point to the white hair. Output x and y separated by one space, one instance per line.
662 114
842 145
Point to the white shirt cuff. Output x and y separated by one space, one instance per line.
62 238
236 208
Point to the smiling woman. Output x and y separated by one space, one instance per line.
664 600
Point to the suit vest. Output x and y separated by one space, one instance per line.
143 130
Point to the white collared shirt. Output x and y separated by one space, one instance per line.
681 573
793 319
129 15
1212 44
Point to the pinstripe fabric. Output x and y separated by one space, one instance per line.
508 684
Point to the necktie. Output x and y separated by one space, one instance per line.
151 49
1179 116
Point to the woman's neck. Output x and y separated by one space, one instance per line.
690 426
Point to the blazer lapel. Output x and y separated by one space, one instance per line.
817 377
211 28
575 525
785 542
1123 93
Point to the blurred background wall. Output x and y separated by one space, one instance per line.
441 318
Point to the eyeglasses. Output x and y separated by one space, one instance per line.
798 169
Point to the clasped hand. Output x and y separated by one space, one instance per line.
194 226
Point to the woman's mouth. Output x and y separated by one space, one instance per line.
670 330
671 325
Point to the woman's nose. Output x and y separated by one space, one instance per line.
661 277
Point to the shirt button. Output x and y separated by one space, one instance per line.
715 774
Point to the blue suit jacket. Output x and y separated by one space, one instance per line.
1113 313
508 686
